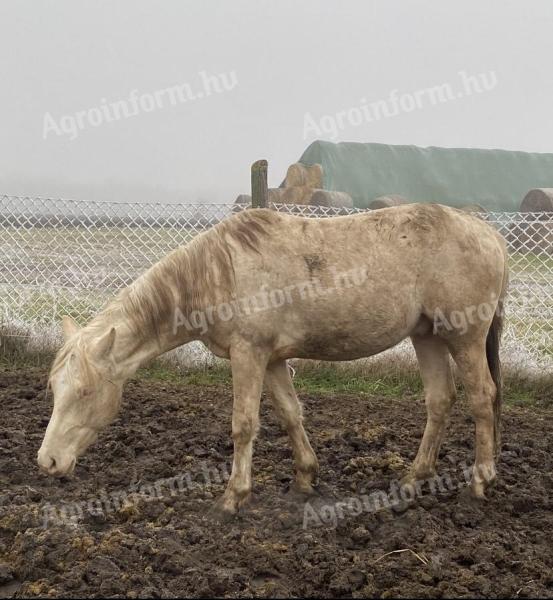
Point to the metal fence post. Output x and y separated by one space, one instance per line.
260 190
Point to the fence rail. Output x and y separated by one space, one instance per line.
68 257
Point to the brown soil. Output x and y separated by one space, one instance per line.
169 546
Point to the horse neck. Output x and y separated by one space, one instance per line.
171 285
131 351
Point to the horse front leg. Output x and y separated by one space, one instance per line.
248 370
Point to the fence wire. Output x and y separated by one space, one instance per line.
69 257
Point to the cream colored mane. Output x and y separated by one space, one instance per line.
186 278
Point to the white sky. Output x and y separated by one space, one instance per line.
290 57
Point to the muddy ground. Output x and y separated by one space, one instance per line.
162 542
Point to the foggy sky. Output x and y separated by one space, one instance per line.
289 58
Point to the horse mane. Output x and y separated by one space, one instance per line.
189 276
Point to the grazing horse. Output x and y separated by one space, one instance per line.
261 287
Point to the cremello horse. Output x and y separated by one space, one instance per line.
261 287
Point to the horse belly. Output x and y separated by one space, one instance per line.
320 348
348 340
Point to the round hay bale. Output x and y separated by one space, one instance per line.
275 195
299 174
473 208
538 200
388 201
331 198
293 195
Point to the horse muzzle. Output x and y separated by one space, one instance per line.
55 464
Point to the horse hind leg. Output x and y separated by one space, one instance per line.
288 408
439 387
471 360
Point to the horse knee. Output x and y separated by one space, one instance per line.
244 427
438 405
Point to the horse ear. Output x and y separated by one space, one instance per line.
104 345
69 327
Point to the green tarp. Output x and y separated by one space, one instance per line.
495 179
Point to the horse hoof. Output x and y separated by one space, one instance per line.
484 478
301 493
474 493
221 514
421 475
408 480
478 489
468 497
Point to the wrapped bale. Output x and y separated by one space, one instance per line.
388 201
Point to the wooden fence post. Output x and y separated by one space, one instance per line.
260 190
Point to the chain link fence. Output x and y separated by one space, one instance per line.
69 257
